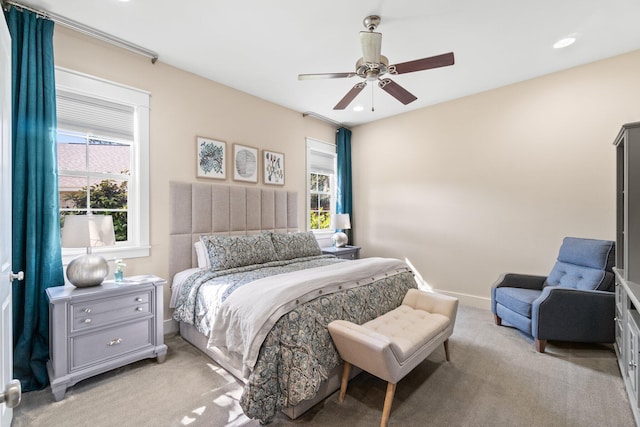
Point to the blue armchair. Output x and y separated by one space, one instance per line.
575 302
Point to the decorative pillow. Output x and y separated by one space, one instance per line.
237 251
295 245
201 254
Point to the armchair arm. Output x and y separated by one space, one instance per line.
514 280
567 314
364 348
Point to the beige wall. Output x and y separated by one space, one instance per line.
491 183
464 190
184 106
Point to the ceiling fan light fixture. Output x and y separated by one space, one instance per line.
565 42
358 108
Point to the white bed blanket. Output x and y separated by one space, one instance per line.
249 313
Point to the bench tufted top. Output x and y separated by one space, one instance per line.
408 329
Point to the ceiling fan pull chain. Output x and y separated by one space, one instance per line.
372 109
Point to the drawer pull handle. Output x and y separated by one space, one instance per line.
138 308
115 342
87 310
87 320
138 299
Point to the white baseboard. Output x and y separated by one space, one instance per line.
466 299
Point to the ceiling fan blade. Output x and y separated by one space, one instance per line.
397 91
422 64
371 45
324 76
350 96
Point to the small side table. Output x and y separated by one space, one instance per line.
96 329
346 252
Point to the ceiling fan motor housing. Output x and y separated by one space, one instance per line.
371 71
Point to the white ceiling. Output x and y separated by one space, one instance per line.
260 47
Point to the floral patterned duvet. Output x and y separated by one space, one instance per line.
297 354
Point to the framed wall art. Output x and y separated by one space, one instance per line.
245 163
273 167
212 158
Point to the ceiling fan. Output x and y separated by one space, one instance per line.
373 66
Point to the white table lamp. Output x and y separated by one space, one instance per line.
340 222
87 231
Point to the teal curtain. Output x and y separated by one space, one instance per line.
36 226
343 202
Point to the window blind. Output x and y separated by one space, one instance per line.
94 116
322 162
322 157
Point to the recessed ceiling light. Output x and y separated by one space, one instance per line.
564 42
358 108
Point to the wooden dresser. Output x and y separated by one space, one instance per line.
96 329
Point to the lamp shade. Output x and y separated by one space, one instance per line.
341 222
85 231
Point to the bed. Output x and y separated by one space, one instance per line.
257 295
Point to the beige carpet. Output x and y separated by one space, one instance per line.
495 378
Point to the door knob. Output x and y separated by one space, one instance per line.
13 276
12 394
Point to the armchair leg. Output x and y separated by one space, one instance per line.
540 345
446 350
498 320
345 379
388 400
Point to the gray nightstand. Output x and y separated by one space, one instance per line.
346 252
96 329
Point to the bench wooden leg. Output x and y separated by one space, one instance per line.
446 350
388 400
345 380
540 345
497 319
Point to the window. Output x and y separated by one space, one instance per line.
103 158
321 185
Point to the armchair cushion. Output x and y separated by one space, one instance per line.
592 253
517 299
575 276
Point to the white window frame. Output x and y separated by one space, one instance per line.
327 148
138 188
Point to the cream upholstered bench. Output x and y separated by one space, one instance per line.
391 345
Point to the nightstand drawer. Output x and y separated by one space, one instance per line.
92 348
348 255
91 314
345 252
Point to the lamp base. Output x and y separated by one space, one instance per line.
339 239
87 270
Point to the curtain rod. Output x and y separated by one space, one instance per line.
323 118
84 29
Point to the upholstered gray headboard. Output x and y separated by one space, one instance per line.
198 208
